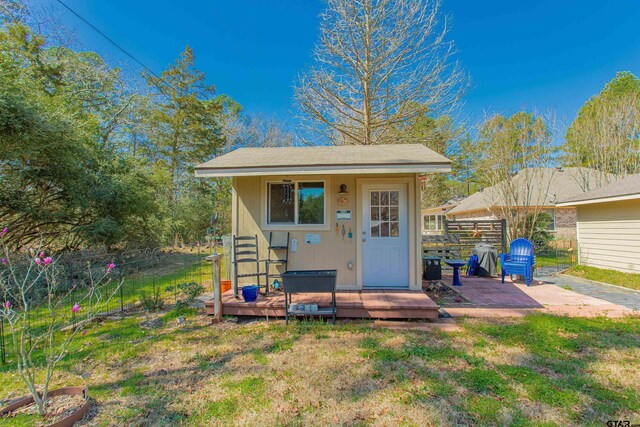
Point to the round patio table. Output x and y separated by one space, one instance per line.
456 264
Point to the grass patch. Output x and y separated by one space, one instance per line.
555 257
618 278
540 388
248 387
483 409
221 409
180 310
133 385
432 387
283 344
21 420
536 370
485 381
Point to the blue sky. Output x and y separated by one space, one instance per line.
535 55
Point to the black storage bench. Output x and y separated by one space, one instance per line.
309 281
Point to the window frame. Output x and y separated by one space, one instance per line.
552 214
268 225
438 220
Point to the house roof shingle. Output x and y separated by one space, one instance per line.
549 186
628 186
323 159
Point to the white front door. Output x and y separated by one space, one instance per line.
385 236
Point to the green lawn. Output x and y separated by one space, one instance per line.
537 370
627 280
552 257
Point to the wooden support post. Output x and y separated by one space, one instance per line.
217 290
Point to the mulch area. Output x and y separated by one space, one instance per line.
442 294
58 408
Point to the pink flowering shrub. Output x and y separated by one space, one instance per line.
53 333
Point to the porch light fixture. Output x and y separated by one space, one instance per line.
343 189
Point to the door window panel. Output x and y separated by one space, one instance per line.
384 198
385 213
393 213
375 213
395 229
395 198
384 229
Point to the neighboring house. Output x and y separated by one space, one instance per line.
370 192
550 186
609 225
433 218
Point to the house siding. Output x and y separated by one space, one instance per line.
609 235
334 251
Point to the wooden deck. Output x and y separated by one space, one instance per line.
374 304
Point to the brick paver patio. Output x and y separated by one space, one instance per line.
487 297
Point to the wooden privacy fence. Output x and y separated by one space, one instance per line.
443 246
472 232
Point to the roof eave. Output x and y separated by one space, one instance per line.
206 172
599 200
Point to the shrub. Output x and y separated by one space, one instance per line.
188 291
67 309
152 301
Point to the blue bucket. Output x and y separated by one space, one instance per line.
250 293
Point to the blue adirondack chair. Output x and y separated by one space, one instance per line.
520 260
472 265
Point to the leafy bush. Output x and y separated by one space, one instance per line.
188 291
152 301
537 229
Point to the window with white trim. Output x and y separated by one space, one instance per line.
433 222
296 203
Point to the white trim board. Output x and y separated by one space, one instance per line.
314 170
600 200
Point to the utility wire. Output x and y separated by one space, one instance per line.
123 50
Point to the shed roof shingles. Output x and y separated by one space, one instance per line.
342 155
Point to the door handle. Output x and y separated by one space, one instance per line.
364 240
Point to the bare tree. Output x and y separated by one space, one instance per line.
379 64
518 164
243 130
